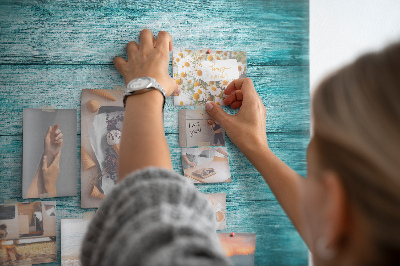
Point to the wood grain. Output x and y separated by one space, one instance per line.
51 50
284 91
93 32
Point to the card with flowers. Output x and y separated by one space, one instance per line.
204 74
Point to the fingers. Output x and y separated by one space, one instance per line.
164 41
235 99
245 85
58 137
60 142
177 92
44 163
54 129
131 49
147 40
119 63
217 113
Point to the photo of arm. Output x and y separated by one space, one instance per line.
44 182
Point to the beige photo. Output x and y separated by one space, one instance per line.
28 233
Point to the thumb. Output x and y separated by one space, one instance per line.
217 113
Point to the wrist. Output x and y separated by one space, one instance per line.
258 147
152 99
50 188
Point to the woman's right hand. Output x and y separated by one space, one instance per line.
247 128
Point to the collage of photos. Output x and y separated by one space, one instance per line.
28 230
28 233
198 128
49 153
102 114
204 74
72 234
206 165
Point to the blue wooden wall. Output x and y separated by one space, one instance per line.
50 50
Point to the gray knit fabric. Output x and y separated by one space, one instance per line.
153 217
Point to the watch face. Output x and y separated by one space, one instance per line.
140 83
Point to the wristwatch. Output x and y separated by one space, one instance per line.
142 85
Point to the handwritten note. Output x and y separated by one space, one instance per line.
219 70
194 128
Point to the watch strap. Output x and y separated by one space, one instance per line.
154 86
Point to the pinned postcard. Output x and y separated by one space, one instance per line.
239 247
28 233
72 234
102 114
206 165
204 74
49 153
198 128
218 201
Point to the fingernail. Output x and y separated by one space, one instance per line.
209 106
44 157
179 90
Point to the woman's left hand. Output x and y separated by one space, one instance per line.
150 59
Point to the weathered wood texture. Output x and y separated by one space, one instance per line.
284 91
93 32
51 50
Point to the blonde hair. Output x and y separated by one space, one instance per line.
356 114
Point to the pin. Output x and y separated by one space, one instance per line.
232 234
208 51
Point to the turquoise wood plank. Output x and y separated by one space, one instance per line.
251 206
93 32
284 91
66 36
247 182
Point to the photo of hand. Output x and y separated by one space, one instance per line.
44 182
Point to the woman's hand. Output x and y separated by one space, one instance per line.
150 59
53 143
246 129
50 174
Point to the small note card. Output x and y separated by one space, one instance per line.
204 74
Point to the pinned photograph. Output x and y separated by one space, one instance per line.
72 234
28 233
204 74
49 153
102 114
206 165
218 201
239 247
198 128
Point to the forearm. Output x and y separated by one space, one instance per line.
143 141
33 191
36 188
282 180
